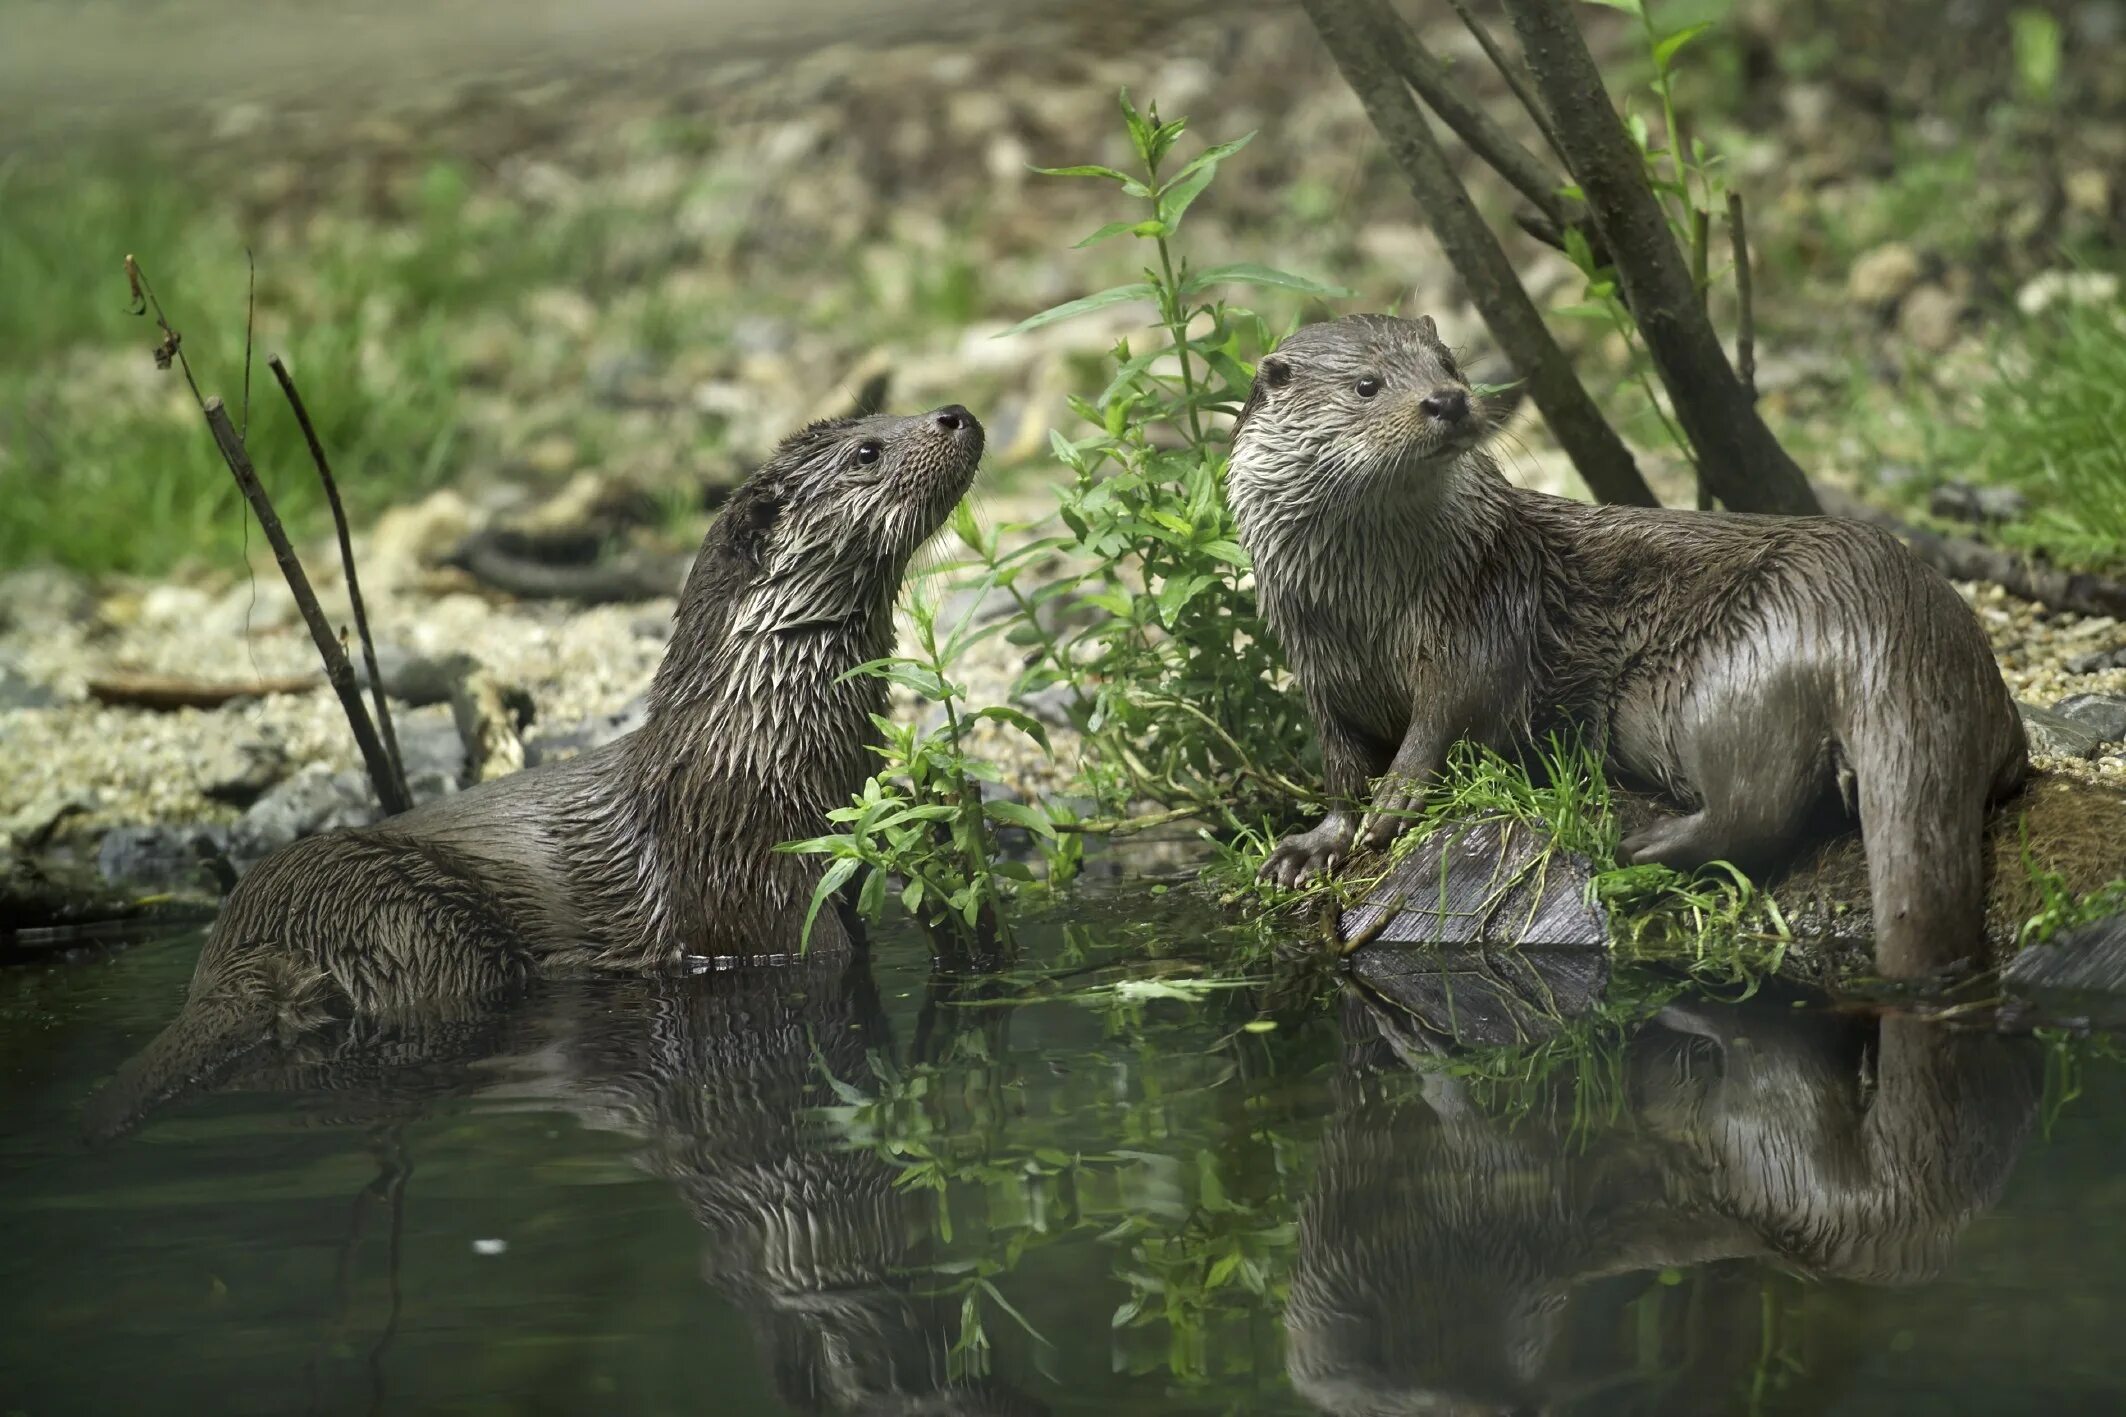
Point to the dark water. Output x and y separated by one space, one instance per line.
1096 1184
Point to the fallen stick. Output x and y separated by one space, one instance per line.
164 692
338 671
354 585
1962 559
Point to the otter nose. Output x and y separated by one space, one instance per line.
953 418
1447 405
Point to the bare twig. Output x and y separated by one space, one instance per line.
1511 73
1745 298
250 324
1528 174
337 669
1350 29
354 584
172 347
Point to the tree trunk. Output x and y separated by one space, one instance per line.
1355 32
1738 458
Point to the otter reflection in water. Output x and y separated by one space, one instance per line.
1443 1250
713 1080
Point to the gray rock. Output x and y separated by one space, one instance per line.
1881 278
2097 661
244 771
590 733
432 753
1958 501
2102 714
2054 735
316 799
1931 317
34 824
18 690
415 679
164 856
2091 958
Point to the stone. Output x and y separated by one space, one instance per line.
34 824
2089 959
2102 714
1931 318
591 733
166 856
243 770
1959 501
2055 735
416 680
1474 885
316 799
1882 277
2048 288
419 535
19 691
2096 661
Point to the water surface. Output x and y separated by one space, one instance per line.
1105 1182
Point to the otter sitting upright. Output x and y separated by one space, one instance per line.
1755 669
635 856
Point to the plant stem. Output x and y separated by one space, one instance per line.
1177 326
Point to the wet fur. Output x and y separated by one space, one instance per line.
637 855
1762 672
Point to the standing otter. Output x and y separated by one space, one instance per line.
636 856
1757 670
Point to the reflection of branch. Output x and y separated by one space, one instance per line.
337 669
1351 30
354 585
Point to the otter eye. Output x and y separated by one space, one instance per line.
867 452
1367 387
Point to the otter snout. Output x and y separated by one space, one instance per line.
959 427
1449 406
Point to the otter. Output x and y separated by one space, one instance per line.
1765 673
653 851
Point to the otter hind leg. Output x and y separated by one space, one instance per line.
1762 782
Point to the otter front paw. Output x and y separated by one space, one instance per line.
1302 856
1396 804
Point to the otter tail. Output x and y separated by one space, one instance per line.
1923 788
196 1050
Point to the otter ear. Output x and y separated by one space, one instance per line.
1272 373
1426 328
748 518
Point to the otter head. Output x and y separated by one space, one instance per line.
824 531
1349 411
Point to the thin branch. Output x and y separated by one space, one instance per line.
1350 29
1745 297
354 584
337 669
1746 466
1528 174
250 323
172 348
1511 73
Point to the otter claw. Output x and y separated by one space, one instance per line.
1305 856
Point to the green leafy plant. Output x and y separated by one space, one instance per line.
923 819
1180 691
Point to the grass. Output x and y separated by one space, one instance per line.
2053 424
1713 922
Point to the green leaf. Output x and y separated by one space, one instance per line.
1177 196
1084 169
1084 305
1249 273
1665 50
1629 7
1212 156
1113 228
872 898
1026 723
1018 814
836 876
